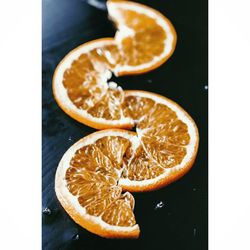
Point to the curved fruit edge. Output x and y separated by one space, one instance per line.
87 221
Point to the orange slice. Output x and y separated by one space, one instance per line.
144 40
86 185
80 86
145 37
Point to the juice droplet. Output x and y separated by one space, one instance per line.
159 205
76 237
47 211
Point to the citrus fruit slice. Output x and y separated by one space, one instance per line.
168 142
80 86
86 185
145 37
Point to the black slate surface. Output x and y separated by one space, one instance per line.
174 217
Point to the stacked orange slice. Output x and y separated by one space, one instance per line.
96 174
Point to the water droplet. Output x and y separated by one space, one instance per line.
47 211
159 205
194 189
70 138
206 87
76 237
149 81
194 231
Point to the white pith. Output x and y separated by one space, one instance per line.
124 31
71 200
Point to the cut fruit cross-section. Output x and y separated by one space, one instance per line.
86 185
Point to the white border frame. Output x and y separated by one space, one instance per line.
229 81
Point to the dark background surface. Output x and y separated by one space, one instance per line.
179 222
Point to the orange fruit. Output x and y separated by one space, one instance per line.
86 185
94 171
145 37
144 40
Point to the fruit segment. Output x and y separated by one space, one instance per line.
119 213
114 148
138 166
